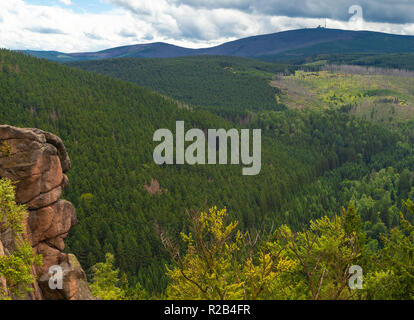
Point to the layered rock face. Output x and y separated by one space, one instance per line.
38 161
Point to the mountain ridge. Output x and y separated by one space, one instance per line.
271 46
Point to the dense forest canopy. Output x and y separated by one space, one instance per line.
214 81
402 61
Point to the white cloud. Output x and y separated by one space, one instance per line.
66 2
26 26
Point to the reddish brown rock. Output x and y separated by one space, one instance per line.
50 222
75 285
44 199
57 242
51 257
35 166
37 161
65 181
9 132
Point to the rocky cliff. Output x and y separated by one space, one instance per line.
37 161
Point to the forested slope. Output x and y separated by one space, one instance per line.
225 82
403 61
312 162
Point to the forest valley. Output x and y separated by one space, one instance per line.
335 187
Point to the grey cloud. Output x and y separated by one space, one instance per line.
148 37
190 29
174 20
208 28
92 36
242 5
391 11
45 30
127 34
129 5
374 11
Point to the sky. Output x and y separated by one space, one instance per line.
92 25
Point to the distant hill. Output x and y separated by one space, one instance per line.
287 45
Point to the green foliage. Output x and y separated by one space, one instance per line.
311 264
133 293
107 286
217 265
11 215
16 267
393 276
209 270
105 280
323 255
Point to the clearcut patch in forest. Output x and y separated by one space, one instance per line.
373 94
